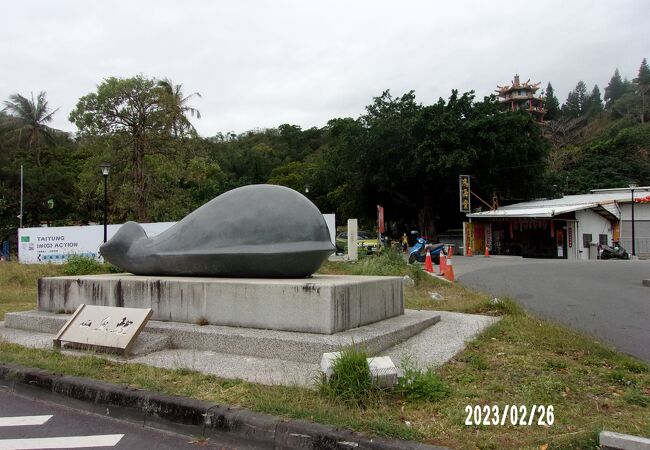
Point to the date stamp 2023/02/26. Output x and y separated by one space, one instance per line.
517 415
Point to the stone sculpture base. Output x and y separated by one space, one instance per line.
323 304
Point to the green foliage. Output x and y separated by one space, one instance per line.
615 89
421 385
389 262
82 265
351 381
635 397
616 157
28 122
635 366
137 123
401 154
551 104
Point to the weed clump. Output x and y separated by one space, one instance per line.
389 262
83 265
420 385
351 380
635 397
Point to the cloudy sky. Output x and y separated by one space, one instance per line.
265 63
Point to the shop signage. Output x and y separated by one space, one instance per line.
464 191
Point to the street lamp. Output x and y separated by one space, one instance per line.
105 167
632 186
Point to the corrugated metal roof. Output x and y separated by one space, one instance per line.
603 201
532 211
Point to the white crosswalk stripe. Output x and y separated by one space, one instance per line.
19 421
102 440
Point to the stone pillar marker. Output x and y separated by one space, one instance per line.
353 240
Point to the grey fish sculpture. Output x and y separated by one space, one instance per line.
257 231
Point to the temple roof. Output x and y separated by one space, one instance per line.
516 84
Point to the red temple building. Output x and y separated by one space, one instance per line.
517 95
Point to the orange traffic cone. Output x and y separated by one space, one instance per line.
450 252
487 251
449 272
443 263
469 250
428 265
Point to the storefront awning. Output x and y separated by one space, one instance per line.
542 211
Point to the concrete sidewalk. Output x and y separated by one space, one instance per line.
284 358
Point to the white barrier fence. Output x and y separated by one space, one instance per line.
56 244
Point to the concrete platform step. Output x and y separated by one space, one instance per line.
285 345
145 343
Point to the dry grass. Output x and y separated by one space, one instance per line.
18 284
520 360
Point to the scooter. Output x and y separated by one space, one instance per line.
418 252
616 252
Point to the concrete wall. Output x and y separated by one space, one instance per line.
323 304
641 211
592 223
641 227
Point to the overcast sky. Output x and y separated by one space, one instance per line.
265 63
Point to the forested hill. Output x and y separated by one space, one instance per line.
401 154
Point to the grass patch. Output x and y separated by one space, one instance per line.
18 284
519 360
351 381
424 385
82 265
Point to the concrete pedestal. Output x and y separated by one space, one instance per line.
323 304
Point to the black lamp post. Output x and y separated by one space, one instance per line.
106 167
632 186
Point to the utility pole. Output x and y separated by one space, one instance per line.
21 196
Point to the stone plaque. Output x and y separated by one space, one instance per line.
104 326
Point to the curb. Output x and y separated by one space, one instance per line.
610 440
188 416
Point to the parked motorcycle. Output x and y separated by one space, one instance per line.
616 252
419 251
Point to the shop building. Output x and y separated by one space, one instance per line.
570 227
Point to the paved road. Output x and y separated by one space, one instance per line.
603 298
32 424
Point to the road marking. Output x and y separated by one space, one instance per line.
102 440
23 420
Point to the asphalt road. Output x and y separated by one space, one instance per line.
30 424
602 298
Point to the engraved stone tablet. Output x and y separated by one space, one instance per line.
104 326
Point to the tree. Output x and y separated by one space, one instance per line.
614 90
552 104
177 105
28 120
576 102
594 103
613 158
642 83
129 108
407 157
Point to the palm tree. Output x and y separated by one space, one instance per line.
27 119
178 106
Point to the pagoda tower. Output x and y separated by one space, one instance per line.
517 95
